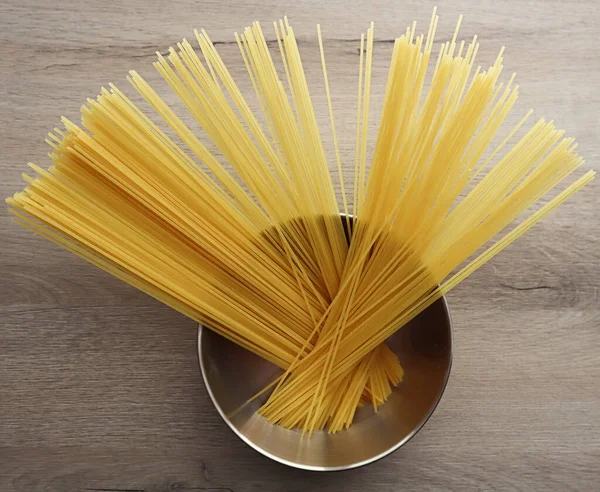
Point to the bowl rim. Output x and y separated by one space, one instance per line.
358 464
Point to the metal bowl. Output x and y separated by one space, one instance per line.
424 347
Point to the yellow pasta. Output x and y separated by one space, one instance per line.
254 247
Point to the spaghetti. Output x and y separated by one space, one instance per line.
254 248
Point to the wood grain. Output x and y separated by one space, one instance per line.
99 385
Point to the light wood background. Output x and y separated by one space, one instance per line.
99 384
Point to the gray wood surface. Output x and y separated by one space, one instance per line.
99 384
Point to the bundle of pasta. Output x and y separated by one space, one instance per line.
254 247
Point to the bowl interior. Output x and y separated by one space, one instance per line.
233 375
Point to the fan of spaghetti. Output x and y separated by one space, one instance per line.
250 242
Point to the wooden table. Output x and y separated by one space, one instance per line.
99 384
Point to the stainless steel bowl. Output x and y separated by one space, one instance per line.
424 347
